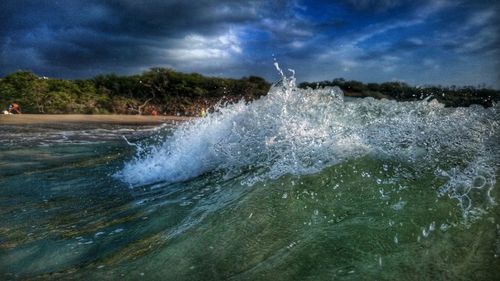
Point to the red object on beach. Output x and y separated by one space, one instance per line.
154 113
14 108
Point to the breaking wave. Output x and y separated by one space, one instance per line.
302 131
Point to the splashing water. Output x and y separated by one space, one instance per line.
299 185
302 131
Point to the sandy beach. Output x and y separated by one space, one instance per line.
28 119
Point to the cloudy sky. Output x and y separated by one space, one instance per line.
420 42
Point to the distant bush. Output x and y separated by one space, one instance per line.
169 92
160 89
450 96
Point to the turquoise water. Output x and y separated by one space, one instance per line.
297 186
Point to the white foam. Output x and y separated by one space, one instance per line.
296 131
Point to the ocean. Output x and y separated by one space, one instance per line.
298 185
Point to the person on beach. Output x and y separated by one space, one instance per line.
203 113
14 108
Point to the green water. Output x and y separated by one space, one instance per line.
63 215
298 185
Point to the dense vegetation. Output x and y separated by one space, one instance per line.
169 92
450 96
159 89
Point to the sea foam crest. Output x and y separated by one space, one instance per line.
286 131
302 131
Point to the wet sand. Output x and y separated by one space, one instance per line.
28 119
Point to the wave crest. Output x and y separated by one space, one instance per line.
302 131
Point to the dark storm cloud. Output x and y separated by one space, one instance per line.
107 35
174 18
408 40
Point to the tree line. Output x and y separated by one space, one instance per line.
453 96
158 89
174 93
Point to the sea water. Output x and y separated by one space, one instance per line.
299 185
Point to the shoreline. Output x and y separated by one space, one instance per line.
28 119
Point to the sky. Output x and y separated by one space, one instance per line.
439 42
